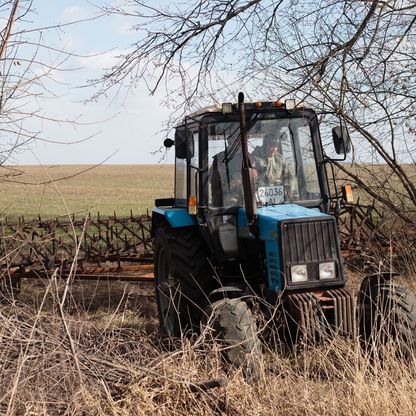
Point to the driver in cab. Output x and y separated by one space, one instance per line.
271 168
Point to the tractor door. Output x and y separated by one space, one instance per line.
222 192
186 165
199 174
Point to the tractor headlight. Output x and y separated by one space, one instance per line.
299 273
327 270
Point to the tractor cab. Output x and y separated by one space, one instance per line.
209 156
281 154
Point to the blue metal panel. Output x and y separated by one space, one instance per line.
177 217
268 221
273 264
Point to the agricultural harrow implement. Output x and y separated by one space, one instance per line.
112 248
121 248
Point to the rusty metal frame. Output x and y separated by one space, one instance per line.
359 226
57 243
318 314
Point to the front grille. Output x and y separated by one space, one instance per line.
310 241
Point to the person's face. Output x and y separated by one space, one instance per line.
271 148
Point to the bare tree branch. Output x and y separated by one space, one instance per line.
353 58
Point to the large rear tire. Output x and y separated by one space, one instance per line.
182 277
236 329
387 313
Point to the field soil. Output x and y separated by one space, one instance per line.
56 191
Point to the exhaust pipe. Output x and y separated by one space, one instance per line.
247 172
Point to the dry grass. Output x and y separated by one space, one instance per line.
101 354
105 188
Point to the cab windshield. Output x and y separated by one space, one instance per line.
281 154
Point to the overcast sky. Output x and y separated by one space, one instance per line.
125 129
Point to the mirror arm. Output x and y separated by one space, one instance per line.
198 169
329 161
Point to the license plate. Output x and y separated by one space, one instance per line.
270 194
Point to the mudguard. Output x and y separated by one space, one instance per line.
175 217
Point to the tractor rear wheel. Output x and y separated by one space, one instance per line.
182 277
236 329
387 313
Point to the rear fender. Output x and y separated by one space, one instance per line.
175 217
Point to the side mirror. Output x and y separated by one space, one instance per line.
341 139
168 143
184 143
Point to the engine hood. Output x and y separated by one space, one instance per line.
269 218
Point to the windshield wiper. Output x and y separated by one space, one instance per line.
292 138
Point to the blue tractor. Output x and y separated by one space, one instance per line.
250 223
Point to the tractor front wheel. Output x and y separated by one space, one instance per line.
235 328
